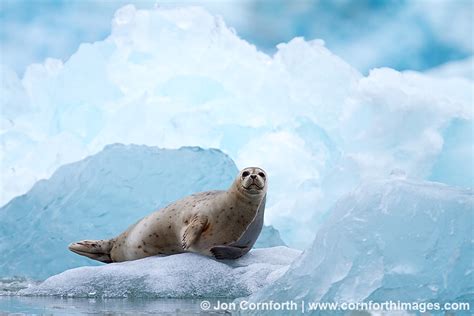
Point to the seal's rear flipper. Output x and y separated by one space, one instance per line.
228 252
95 249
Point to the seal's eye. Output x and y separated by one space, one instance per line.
245 174
261 174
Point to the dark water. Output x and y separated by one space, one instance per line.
21 305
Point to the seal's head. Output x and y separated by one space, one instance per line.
252 180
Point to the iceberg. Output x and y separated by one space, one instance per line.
98 198
395 239
434 32
185 275
173 77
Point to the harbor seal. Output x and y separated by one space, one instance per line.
219 224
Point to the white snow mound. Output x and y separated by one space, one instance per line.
178 276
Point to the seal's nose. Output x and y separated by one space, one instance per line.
253 176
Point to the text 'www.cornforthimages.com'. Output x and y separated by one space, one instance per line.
304 307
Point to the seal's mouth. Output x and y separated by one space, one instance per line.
253 188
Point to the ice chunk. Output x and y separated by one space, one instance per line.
10 286
388 240
178 276
269 237
99 197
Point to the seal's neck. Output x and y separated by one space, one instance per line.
244 201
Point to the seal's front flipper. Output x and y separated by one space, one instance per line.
95 249
194 229
228 252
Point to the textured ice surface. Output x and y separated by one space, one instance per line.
98 198
395 239
180 77
178 276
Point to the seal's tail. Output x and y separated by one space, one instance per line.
95 249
